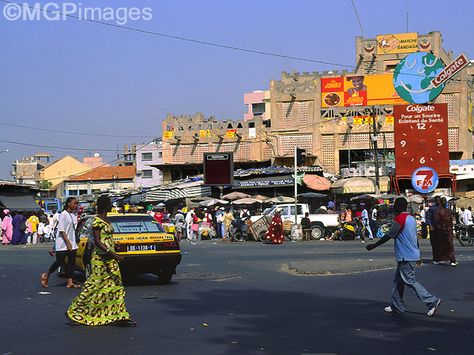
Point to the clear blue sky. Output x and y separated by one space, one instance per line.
76 75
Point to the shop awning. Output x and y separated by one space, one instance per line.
176 191
267 181
18 202
359 185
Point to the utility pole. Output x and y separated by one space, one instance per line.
296 185
376 152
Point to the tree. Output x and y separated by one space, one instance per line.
45 185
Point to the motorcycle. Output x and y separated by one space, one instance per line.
465 234
239 230
351 231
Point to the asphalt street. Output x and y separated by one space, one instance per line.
248 298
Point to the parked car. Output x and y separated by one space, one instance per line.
140 239
320 223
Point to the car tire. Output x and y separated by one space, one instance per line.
261 236
317 232
165 276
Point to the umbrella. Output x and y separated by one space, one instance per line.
261 198
212 202
316 182
312 195
415 198
281 199
373 196
359 185
464 202
246 201
236 195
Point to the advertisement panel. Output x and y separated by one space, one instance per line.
397 43
359 90
218 169
168 134
421 138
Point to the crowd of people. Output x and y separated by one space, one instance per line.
195 224
27 228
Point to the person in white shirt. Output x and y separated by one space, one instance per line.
365 220
467 216
65 245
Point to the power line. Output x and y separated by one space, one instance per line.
357 16
5 108
58 147
71 132
208 43
181 38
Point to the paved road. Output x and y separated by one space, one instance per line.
248 298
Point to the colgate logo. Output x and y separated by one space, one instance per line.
420 109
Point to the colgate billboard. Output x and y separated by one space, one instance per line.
452 69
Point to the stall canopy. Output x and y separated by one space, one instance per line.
316 182
18 202
186 189
359 185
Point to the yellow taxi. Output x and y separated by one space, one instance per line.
140 239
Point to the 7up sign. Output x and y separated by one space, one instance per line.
424 179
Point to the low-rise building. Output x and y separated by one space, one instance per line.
55 173
100 179
148 155
26 170
186 138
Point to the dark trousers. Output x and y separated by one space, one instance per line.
61 260
219 229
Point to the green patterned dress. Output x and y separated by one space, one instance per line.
102 300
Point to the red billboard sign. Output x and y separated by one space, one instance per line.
218 169
452 69
421 138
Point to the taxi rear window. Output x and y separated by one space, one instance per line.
128 225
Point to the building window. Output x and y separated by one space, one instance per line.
71 192
147 174
251 124
82 192
147 156
160 155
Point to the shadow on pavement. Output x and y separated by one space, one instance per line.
295 322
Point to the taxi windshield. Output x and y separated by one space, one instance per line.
138 224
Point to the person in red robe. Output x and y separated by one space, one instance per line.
274 234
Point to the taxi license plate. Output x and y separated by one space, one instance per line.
141 247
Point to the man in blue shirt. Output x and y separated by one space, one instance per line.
407 253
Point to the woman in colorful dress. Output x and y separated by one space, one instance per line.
102 300
275 232
7 228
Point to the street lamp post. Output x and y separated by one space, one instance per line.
376 152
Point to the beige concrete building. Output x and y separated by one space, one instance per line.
303 113
339 137
186 138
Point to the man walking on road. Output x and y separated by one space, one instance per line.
407 254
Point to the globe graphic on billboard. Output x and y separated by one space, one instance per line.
413 75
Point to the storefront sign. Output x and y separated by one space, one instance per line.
421 138
397 43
